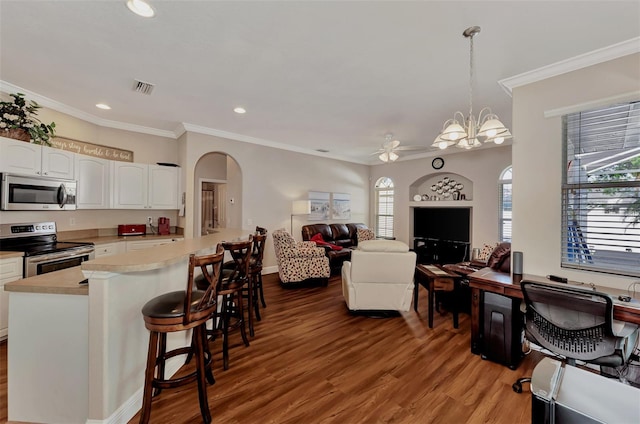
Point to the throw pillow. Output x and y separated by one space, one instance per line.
365 234
317 238
486 251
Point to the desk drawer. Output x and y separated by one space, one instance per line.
443 284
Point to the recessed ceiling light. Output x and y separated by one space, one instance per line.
240 110
103 106
141 8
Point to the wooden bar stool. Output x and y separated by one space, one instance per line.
181 311
234 279
255 270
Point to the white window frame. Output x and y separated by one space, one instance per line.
505 215
384 190
600 188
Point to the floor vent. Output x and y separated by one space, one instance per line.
143 87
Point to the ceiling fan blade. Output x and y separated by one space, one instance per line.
395 144
408 148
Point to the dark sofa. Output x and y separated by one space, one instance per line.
343 235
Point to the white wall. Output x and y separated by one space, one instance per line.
271 179
482 167
538 163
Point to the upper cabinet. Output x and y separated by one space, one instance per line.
163 187
142 186
20 157
94 182
58 163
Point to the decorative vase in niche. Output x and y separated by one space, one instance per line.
456 195
17 134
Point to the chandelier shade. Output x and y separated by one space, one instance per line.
471 132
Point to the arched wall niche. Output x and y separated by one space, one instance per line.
423 187
219 168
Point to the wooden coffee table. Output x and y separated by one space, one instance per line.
435 278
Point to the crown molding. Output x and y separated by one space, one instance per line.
595 57
187 127
62 108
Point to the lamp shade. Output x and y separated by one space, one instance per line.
492 128
301 207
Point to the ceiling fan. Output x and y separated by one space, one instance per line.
391 147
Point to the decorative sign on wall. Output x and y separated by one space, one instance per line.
340 206
90 149
320 209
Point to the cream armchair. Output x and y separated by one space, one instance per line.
379 276
299 261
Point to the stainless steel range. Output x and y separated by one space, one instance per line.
42 251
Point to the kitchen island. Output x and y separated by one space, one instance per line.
99 339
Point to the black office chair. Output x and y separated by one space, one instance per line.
577 324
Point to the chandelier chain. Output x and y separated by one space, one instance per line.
471 76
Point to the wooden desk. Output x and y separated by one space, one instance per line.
434 277
488 280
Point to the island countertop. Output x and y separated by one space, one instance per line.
161 256
65 281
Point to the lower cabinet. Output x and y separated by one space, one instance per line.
110 249
10 270
146 244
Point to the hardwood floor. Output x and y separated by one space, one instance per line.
311 361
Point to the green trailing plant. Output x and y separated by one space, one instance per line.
22 115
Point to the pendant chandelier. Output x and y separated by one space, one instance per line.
470 132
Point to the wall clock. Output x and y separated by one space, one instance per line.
437 163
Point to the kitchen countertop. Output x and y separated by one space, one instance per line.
161 256
98 240
4 255
64 281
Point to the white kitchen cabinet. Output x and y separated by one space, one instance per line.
94 182
142 186
163 187
146 244
10 270
109 249
130 182
20 157
58 163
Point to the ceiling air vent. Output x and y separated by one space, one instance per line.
143 87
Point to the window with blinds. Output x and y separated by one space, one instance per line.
601 190
384 207
505 204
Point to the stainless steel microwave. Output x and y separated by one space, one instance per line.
30 193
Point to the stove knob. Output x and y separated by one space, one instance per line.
51 227
37 227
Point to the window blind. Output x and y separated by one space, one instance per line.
384 208
601 190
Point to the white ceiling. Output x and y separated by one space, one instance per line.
311 74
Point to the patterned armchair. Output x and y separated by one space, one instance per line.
299 261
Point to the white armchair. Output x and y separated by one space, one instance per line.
379 276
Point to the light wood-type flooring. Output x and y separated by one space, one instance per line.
311 361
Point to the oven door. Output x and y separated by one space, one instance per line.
42 264
26 193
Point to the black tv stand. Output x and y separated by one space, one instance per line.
439 251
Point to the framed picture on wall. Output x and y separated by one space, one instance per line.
341 206
320 206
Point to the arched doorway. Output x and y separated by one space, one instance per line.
218 193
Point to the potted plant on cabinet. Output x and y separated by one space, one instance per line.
18 119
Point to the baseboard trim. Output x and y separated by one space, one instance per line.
130 408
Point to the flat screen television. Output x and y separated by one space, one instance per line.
442 223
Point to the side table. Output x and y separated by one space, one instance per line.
435 278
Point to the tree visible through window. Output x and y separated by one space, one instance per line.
384 207
601 190
505 204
